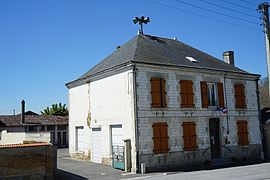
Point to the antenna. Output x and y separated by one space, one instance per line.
141 21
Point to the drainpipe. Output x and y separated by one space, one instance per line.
260 120
136 117
226 105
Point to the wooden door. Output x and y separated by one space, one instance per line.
214 138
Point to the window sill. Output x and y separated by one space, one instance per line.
159 109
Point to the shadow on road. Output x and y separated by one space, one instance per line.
67 175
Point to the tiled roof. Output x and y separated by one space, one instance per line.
24 145
159 51
15 120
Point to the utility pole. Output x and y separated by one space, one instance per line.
263 8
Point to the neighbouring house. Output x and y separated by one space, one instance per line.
160 103
29 125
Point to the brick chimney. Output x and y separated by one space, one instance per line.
23 112
228 57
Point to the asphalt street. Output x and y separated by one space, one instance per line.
69 169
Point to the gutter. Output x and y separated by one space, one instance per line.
136 117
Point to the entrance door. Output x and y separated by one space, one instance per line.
214 138
97 145
79 140
118 147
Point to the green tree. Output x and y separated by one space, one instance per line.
56 110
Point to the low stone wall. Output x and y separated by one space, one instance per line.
28 161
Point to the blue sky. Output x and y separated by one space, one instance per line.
45 44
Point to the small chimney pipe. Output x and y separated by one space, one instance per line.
23 112
228 57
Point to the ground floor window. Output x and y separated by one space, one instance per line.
160 137
242 133
189 136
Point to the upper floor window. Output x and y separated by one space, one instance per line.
186 92
212 94
158 92
240 98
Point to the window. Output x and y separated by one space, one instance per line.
242 133
160 137
212 94
186 92
189 136
240 99
158 92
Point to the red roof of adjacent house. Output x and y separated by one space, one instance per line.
24 145
15 120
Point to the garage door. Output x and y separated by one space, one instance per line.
80 137
97 145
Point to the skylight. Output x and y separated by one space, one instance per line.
191 59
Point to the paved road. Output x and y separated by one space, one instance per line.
250 172
69 169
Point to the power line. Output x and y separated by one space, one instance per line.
248 2
199 7
203 16
213 4
238 5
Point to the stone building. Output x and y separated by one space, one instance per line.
176 105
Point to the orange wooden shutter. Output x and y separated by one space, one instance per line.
190 93
186 138
220 95
193 136
239 90
163 91
156 138
155 92
242 133
164 137
243 96
204 94
183 93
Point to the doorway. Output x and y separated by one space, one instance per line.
214 137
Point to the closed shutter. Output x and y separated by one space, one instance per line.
242 133
163 91
190 93
155 92
164 137
204 94
189 136
186 92
240 99
220 95
160 138
183 93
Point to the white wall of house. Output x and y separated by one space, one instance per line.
110 102
78 112
19 137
